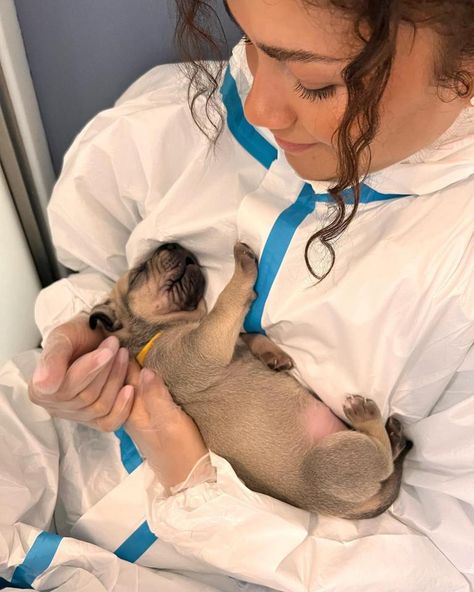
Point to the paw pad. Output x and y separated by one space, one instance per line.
359 409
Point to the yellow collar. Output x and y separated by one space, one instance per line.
142 354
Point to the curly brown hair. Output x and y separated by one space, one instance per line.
200 34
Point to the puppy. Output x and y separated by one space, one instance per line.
256 418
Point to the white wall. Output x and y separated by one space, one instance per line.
84 53
19 284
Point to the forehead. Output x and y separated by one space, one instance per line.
296 25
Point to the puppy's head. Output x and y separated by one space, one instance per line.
165 289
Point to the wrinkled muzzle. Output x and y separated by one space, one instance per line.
181 275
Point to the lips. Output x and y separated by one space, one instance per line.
293 147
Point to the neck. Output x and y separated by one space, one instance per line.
140 334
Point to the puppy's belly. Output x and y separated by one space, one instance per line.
319 421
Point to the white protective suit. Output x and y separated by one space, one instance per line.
394 321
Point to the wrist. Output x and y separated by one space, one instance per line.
172 460
202 472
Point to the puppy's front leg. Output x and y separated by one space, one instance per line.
216 336
268 352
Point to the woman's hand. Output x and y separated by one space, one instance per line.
81 377
165 435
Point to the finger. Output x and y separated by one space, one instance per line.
100 394
119 413
133 374
154 406
111 421
52 372
53 364
85 369
152 384
110 378
89 368
65 344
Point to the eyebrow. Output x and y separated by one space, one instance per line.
286 55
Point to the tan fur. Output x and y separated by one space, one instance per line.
246 412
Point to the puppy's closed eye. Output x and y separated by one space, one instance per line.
139 273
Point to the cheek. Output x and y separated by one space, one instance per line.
321 124
321 119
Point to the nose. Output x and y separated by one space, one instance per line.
267 104
169 247
172 248
184 254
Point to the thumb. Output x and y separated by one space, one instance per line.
53 364
151 385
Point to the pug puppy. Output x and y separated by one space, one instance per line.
258 419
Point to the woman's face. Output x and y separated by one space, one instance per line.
297 57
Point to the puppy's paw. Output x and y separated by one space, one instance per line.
359 410
277 360
396 435
245 258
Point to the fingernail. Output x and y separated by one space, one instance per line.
41 374
41 380
127 393
111 343
103 356
147 376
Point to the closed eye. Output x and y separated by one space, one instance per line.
135 274
314 94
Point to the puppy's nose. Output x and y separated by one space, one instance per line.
170 246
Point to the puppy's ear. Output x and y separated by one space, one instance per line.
105 314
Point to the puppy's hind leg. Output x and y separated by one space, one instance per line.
397 438
351 474
216 336
366 418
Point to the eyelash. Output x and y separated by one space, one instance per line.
315 94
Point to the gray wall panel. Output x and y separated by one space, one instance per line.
84 53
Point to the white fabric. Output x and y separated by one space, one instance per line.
394 321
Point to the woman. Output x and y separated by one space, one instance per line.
369 289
